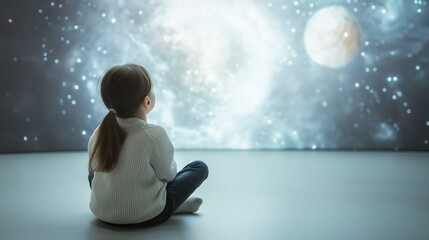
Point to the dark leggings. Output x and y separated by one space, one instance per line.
178 190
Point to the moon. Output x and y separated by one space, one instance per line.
332 37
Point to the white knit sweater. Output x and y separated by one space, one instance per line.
135 190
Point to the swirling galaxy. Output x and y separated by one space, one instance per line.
240 74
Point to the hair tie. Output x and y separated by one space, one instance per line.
112 110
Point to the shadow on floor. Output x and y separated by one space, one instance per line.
178 226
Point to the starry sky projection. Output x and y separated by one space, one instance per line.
240 74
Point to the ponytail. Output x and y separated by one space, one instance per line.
108 143
123 89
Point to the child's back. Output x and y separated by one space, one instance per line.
133 174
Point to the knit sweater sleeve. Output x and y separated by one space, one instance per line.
163 164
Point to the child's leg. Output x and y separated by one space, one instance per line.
186 182
179 190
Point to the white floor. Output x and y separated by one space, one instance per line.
248 195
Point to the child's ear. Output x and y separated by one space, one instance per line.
147 101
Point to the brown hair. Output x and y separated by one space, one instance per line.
123 88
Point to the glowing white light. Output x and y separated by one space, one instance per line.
229 54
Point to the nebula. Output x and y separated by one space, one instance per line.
227 74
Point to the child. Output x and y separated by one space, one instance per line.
132 172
